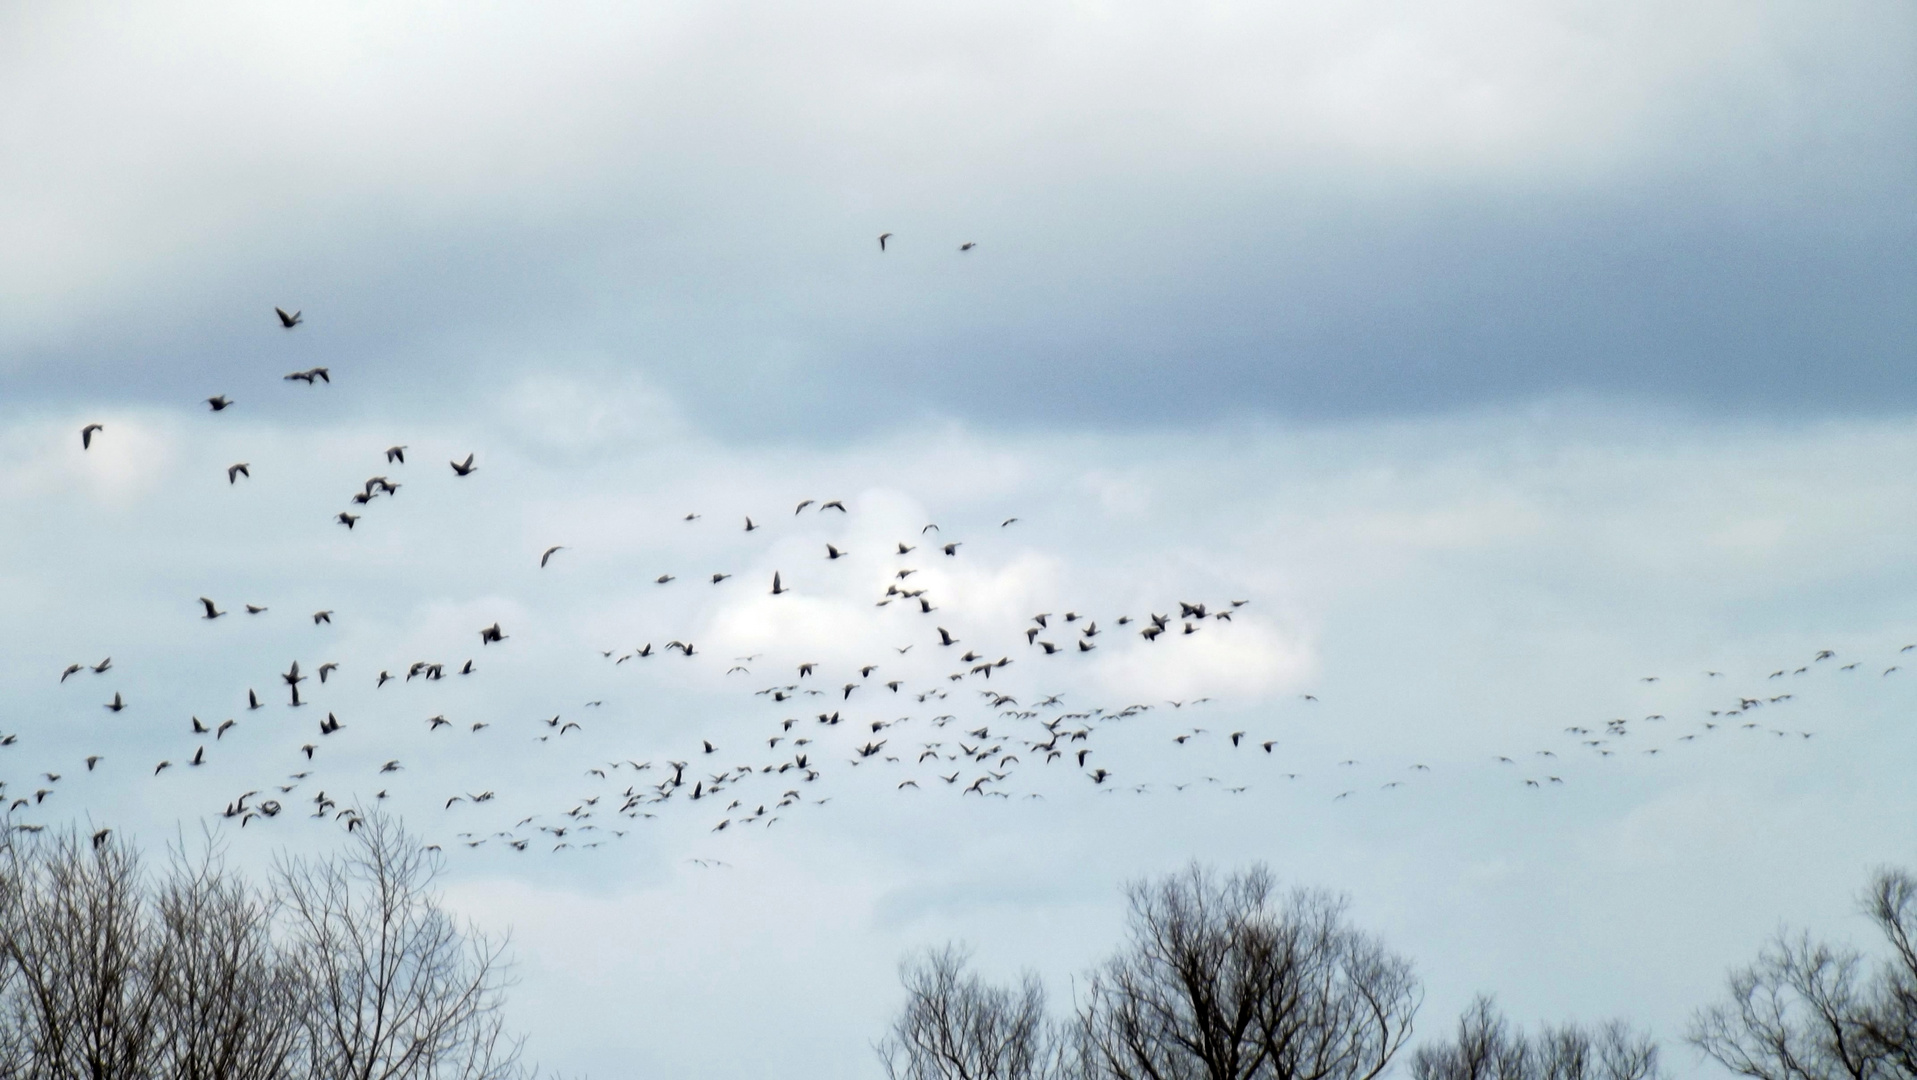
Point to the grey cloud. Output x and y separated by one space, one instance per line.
1284 212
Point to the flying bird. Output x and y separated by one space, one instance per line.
396 453
549 553
288 321
463 468
968 245
211 613
237 470
217 402
883 237
86 435
776 587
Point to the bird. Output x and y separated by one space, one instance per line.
288 321
776 587
311 376
968 245
237 470
116 704
255 609
396 453
749 526
1008 521
549 553
211 613
883 237
834 553
86 435
463 468
218 402
945 637
952 549
94 759
491 634
346 519
323 617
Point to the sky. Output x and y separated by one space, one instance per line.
1500 357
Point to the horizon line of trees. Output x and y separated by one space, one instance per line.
1226 977
346 967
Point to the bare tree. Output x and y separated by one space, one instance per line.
1488 1047
1891 1026
1225 980
1807 1010
955 1026
230 1003
395 989
84 1004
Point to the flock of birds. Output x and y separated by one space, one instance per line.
940 710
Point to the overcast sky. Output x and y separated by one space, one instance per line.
1502 356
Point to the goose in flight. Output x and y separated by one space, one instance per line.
86 435
211 611
968 245
776 587
218 402
463 468
883 237
288 321
396 453
237 470
549 554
